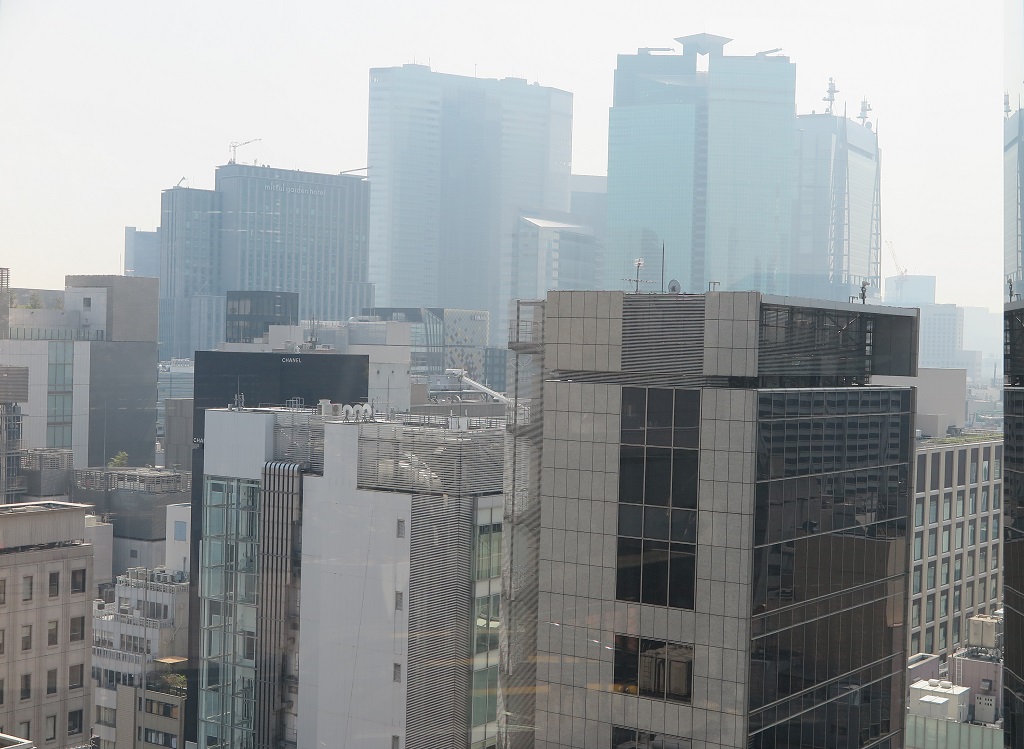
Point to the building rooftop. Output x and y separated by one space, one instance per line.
41 506
963 439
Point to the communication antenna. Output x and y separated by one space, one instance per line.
830 97
864 109
639 263
674 287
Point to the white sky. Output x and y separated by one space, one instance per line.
103 104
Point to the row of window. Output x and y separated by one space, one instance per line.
971 506
53 585
990 586
991 467
76 634
75 726
76 680
977 533
938 576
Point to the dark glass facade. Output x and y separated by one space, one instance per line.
829 567
658 459
1013 529
250 314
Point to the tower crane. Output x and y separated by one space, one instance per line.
901 271
236 145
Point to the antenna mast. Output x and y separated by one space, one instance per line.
830 97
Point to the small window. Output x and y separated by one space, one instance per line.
26 636
78 581
3 591
398 600
77 628
86 302
51 681
51 633
180 530
54 586
26 686
51 727
2 641
396 672
26 588
400 530
394 743
25 729
75 676
134 553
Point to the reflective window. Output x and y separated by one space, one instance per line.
653 668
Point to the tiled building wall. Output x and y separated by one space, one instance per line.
578 614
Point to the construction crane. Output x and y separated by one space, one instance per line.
901 272
236 145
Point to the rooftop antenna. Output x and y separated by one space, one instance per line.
864 291
234 146
183 179
864 109
639 263
830 97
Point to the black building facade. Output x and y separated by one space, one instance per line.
251 313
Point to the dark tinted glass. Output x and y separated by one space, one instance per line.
654 578
631 474
659 417
684 478
658 476
627 579
634 414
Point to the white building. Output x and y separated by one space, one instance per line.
396 528
939 699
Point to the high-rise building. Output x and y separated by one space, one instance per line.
395 525
453 162
13 392
251 313
1013 403
838 211
46 594
141 252
710 167
92 369
260 229
707 516
957 540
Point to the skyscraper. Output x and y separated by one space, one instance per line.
706 521
1013 427
260 229
709 165
453 162
838 212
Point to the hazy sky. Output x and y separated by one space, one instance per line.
104 104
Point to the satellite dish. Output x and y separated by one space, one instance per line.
674 287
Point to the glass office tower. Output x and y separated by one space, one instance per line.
700 161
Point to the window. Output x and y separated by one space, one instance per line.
915 614
396 672
54 585
51 681
960 504
931 575
984 499
26 686
944 572
958 569
933 508
74 722
2 641
51 634
919 513
929 609
653 668
395 742
78 581
917 579
958 537
3 591
26 637
973 505
945 540
400 529
984 530
26 588
25 729
86 302
632 737
180 530
76 675
918 548
956 630
77 628
51 727
398 600
932 543
956 600
947 501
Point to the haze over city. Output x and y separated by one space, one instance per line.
105 107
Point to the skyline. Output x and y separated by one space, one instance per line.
136 98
